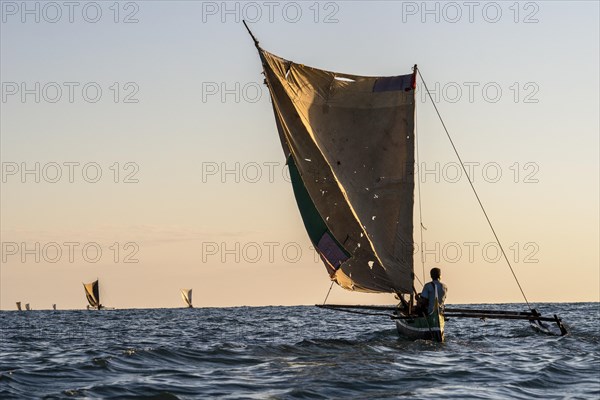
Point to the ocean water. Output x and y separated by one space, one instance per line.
291 352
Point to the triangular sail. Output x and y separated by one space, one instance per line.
186 295
54 306
349 144
92 294
19 306
27 307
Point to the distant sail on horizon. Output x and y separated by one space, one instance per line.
54 307
92 294
19 306
27 307
186 295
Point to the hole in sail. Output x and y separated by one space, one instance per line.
375 196
341 78
371 263
287 72
308 159
373 217
361 235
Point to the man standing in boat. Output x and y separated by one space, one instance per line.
433 289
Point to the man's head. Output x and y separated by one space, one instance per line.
435 273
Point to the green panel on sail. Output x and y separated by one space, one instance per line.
331 252
352 143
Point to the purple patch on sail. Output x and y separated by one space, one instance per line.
331 251
392 83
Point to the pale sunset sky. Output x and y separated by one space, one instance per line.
139 147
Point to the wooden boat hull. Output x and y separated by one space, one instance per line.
430 327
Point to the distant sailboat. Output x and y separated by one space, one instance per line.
186 295
19 306
54 307
92 294
349 143
27 307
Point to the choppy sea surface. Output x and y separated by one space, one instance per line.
291 352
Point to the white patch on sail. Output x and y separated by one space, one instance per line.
371 263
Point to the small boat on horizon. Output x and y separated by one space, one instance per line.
92 294
19 306
186 295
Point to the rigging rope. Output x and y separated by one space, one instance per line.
324 301
474 191
418 176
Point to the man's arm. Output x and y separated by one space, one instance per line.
445 292
425 291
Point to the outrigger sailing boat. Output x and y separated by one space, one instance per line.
92 294
349 143
186 295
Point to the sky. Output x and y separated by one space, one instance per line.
139 147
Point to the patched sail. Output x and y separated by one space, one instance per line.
186 295
92 294
349 143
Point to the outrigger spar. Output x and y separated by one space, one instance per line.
349 143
